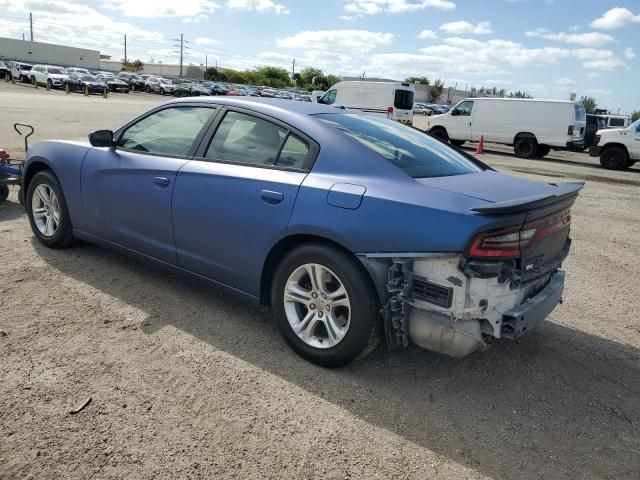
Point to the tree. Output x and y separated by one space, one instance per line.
436 90
519 94
589 104
419 80
214 74
134 66
635 115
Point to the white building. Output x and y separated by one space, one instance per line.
48 53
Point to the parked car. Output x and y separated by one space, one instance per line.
80 71
21 72
114 84
422 109
618 148
533 127
49 75
5 70
593 124
185 88
152 84
88 84
135 82
214 88
368 229
393 100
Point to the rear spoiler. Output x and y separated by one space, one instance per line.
563 191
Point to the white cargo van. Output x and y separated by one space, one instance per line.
393 100
533 127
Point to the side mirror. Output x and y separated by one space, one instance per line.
101 138
455 112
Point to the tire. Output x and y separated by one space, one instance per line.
630 163
162 92
440 133
49 84
457 143
4 192
361 334
33 80
542 150
62 236
148 90
424 114
525 147
614 158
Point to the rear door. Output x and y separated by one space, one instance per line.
127 191
232 203
403 105
459 125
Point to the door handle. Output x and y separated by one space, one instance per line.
271 197
161 181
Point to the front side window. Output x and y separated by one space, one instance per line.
465 108
171 131
328 98
56 71
403 100
413 151
243 138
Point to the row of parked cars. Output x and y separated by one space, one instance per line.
428 109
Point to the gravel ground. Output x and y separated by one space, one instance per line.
189 383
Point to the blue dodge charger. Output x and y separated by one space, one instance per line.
353 228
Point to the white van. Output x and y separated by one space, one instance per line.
393 100
533 127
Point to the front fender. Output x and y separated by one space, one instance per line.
64 159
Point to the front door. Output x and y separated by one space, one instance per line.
233 203
460 123
127 190
635 143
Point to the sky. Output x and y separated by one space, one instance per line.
549 48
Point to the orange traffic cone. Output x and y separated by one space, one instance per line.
480 149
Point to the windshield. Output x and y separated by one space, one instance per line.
415 152
87 78
55 71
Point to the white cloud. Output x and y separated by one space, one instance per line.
598 91
205 41
565 82
588 39
336 41
371 7
426 34
162 8
629 53
259 6
616 17
464 27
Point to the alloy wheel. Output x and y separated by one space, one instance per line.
45 208
317 306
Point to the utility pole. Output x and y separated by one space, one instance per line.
183 47
31 25
125 50
293 71
206 62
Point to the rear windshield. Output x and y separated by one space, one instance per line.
403 100
25 67
416 153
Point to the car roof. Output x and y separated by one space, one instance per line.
268 106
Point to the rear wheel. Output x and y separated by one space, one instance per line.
525 147
325 306
457 143
542 150
49 84
47 211
614 158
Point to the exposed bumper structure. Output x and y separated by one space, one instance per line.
595 150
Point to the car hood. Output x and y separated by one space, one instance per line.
489 186
612 131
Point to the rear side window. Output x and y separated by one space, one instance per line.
243 138
170 132
294 152
616 122
416 153
403 100
581 113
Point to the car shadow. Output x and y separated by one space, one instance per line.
10 209
561 404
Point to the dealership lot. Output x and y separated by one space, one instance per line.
188 383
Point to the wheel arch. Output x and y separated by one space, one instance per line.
288 243
524 135
607 146
34 166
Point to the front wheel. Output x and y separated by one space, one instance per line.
47 211
440 133
614 158
162 92
325 306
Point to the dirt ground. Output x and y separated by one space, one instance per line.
189 383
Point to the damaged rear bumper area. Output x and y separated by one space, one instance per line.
448 304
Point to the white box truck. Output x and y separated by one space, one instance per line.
617 148
533 127
393 100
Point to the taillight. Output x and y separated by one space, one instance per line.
510 243
390 112
570 130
